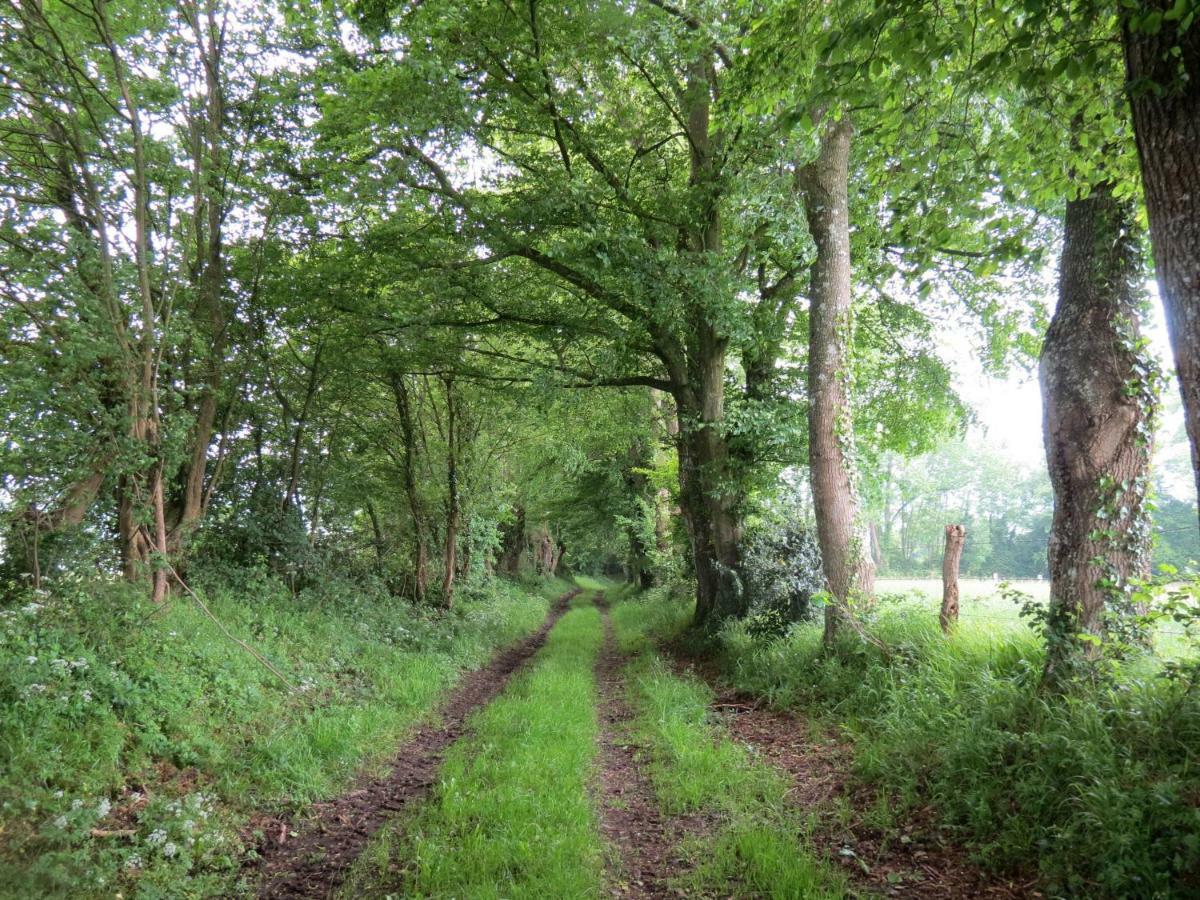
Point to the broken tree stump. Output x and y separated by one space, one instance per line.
956 536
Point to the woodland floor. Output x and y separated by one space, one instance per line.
650 848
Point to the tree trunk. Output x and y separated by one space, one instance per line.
377 532
956 536
846 561
408 435
512 543
1164 91
1097 412
452 503
709 503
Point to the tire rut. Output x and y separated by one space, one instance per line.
314 863
631 818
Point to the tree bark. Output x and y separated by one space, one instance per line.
956 536
1164 90
845 560
452 500
1097 413
408 435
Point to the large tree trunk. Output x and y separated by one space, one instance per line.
1096 411
709 500
1164 85
845 558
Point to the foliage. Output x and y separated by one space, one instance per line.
781 567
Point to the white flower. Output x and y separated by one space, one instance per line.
172 634
76 803
87 696
80 663
188 825
36 689
60 664
31 609
157 836
58 793
134 862
60 822
169 849
31 659
103 808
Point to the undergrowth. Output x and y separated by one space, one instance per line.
135 742
1098 790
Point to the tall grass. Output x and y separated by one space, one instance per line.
1097 791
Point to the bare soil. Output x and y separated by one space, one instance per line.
631 820
314 862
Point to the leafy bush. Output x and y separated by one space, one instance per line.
781 573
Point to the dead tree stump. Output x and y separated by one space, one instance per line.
956 536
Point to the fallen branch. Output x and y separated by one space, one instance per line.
237 640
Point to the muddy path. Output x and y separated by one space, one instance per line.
918 859
631 820
314 863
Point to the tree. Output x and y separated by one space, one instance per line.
1162 58
1099 391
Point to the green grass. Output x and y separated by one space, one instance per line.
511 816
986 611
1098 791
116 717
758 847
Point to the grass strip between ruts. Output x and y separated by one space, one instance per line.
511 815
757 846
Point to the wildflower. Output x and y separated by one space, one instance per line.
31 659
36 689
59 664
60 822
169 849
133 862
157 836
104 807
87 696
31 609
58 793
76 803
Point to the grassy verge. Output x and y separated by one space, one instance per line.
1100 791
135 743
511 816
758 847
